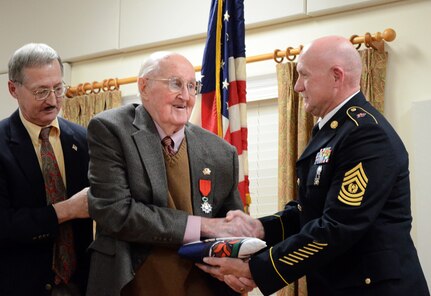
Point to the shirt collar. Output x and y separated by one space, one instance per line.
177 137
327 117
34 130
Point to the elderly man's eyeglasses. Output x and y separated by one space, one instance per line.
42 94
176 84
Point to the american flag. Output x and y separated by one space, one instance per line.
222 106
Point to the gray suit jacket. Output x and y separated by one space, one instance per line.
128 195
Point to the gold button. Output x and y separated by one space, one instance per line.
48 287
367 281
353 109
334 124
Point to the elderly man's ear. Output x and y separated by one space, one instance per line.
142 86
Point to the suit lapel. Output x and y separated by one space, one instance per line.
23 151
72 159
317 142
147 141
201 168
327 133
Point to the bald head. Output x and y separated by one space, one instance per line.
167 86
329 72
330 51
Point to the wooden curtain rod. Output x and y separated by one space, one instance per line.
370 40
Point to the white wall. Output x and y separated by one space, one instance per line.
420 157
8 104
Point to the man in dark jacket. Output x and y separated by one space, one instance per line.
349 231
43 184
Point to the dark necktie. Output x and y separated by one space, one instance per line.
64 257
315 130
168 145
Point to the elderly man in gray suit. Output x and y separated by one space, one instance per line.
156 182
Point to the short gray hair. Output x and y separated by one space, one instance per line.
152 64
31 55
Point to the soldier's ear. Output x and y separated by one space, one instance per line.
338 74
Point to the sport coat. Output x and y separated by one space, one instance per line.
28 226
353 215
129 191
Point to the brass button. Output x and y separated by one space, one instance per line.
353 109
334 124
48 287
367 281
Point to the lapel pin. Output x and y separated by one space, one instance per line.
74 147
206 171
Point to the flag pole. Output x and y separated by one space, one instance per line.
218 67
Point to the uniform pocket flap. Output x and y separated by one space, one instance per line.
383 265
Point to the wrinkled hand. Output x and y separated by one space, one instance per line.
234 272
236 223
74 207
246 224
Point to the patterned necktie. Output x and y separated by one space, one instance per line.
64 257
168 145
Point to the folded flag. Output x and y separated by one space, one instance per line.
234 247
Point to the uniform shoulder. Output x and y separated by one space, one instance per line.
361 116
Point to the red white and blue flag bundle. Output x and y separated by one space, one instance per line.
222 105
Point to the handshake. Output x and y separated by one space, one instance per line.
235 224
227 258
240 238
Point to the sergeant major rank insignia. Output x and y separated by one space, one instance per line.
354 185
323 155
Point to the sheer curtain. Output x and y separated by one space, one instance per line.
295 127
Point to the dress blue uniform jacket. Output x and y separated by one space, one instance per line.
28 227
349 231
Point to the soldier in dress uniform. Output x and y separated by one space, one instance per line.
349 230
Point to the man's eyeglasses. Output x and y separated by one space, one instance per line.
42 94
176 84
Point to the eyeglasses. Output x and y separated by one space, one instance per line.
176 84
42 94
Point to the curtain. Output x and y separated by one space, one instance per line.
294 132
373 76
82 108
295 128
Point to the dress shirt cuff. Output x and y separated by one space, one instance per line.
193 229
